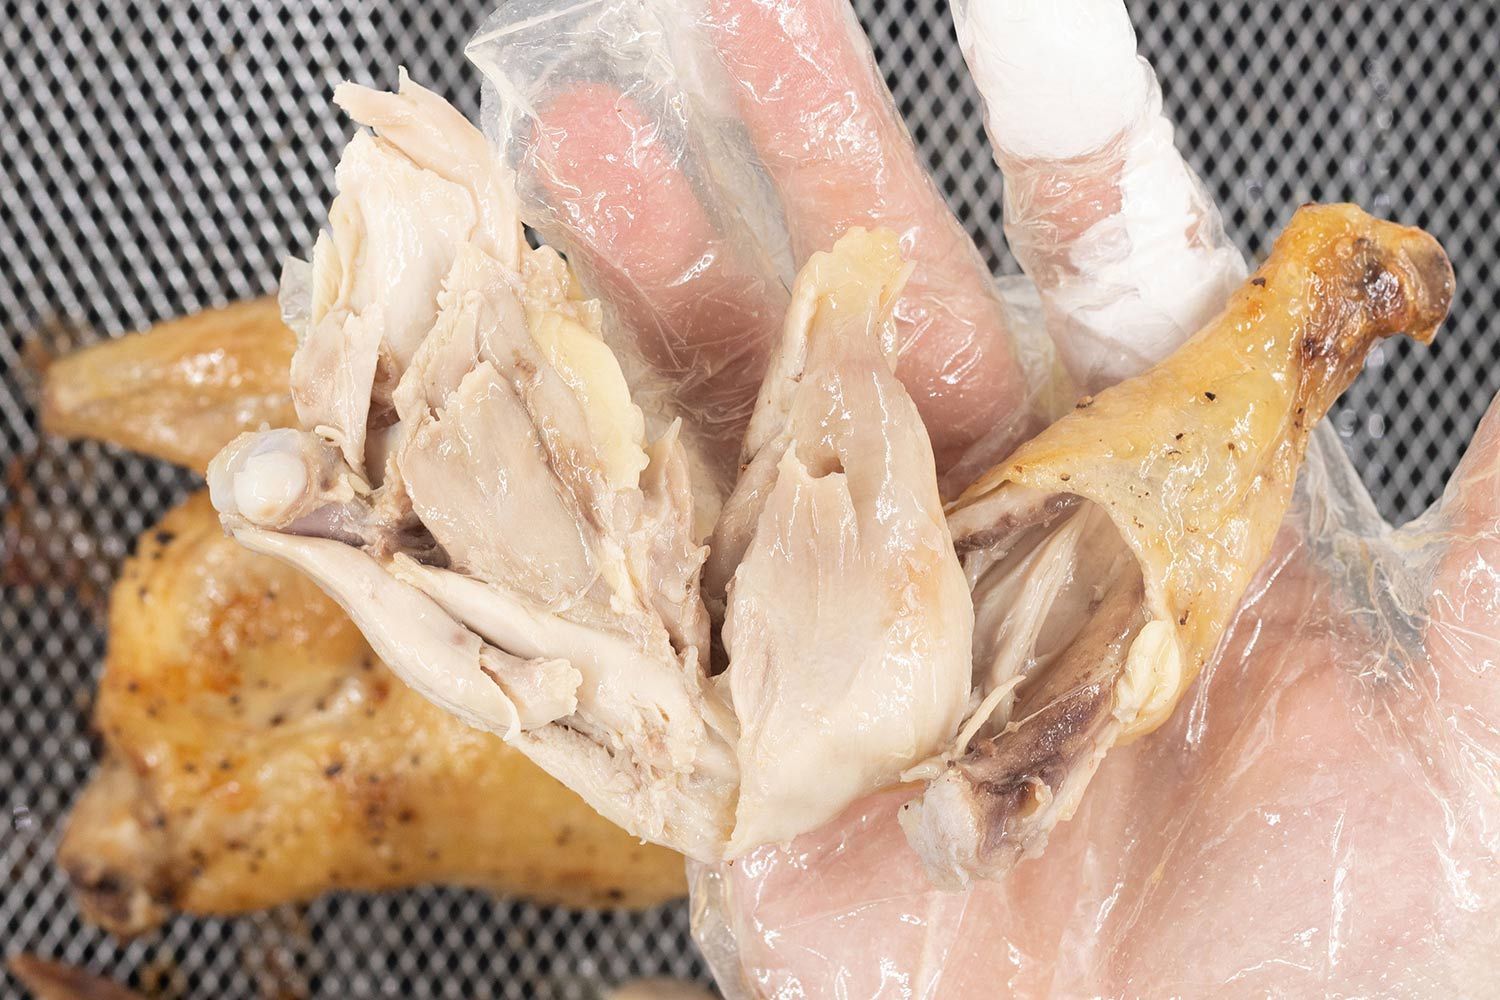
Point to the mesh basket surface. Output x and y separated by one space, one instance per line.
160 157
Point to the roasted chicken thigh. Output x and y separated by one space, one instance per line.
257 753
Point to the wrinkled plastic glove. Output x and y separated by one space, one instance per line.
1320 815
689 158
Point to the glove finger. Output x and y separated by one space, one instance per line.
821 119
621 171
1124 243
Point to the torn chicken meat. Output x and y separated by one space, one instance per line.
473 484
1108 553
843 597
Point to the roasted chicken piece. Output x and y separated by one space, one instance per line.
55 981
1107 554
256 752
180 390
472 481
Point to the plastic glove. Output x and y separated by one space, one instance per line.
1322 815
688 158
1319 818
1122 240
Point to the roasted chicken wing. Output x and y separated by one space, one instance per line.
1107 554
180 390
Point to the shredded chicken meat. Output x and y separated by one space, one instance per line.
472 482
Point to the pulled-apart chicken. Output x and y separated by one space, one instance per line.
847 621
473 484
1107 554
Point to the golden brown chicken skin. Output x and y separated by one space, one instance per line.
257 753
180 390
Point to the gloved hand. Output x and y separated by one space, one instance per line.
1321 813
1317 819
690 158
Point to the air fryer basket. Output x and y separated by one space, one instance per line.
161 156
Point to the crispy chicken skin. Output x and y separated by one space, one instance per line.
256 753
1107 554
182 389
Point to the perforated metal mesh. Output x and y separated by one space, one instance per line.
160 157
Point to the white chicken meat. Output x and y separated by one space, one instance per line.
473 483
